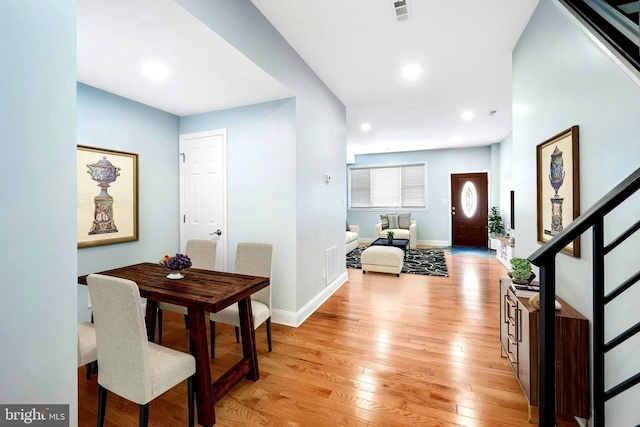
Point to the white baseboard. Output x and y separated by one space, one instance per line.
295 319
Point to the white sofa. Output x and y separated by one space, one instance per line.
352 237
400 233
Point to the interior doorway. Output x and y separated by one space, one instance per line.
203 190
469 209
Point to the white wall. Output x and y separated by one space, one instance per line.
320 137
37 204
561 78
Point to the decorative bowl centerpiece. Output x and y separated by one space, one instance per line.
175 264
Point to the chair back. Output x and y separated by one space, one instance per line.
256 259
87 352
202 253
121 337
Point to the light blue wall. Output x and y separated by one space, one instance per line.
261 183
320 137
109 121
506 180
561 78
434 224
37 204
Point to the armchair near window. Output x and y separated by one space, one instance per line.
399 233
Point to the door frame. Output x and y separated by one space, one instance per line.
489 196
184 138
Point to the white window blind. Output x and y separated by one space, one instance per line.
388 187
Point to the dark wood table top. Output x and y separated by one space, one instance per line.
205 290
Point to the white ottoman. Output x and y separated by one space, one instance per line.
383 259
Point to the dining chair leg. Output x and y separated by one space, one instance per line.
237 333
160 325
190 400
144 415
212 326
269 333
102 405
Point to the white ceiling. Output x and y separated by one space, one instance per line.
115 37
356 47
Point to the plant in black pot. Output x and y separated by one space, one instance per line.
521 273
390 236
495 223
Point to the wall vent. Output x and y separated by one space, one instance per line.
403 11
331 264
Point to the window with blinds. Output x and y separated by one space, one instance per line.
388 187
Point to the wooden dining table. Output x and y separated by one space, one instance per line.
202 292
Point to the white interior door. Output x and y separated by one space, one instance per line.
203 190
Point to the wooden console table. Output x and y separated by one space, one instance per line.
519 326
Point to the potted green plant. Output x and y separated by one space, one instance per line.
390 236
521 271
495 223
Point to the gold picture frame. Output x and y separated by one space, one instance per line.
558 186
107 196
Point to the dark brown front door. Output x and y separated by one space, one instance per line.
469 209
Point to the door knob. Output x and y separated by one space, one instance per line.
218 232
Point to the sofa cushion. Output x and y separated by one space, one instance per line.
398 233
351 236
404 220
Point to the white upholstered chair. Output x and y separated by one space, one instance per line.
130 365
254 259
87 353
203 255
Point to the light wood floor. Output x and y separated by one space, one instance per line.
382 351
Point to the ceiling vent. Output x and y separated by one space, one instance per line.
403 11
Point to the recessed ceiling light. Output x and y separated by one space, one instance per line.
365 126
411 72
467 115
155 70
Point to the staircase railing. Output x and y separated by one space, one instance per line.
618 30
545 259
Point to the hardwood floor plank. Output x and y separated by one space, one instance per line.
382 351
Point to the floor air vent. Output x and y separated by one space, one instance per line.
331 264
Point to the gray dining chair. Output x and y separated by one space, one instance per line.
254 259
203 255
130 365
87 353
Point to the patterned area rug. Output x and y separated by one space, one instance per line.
430 262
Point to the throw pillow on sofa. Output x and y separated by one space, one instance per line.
404 220
389 220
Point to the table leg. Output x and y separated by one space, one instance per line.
249 350
200 349
150 319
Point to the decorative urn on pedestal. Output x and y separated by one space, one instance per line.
105 173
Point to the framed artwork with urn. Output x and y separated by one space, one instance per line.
107 200
558 186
